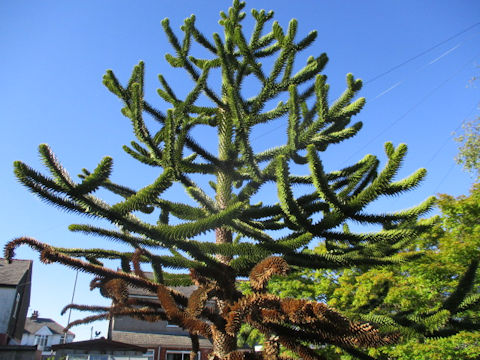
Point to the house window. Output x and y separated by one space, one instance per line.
150 354
41 341
99 357
17 302
179 355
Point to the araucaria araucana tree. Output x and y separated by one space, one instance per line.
246 242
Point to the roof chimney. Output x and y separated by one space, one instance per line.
34 315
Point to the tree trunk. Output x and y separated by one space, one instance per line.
223 344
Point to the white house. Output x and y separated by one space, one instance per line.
44 333
15 279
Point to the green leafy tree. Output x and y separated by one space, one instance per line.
434 300
469 150
247 239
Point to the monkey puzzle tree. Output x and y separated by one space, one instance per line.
246 240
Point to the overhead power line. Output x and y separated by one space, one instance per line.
449 138
398 66
401 81
413 107
445 176
430 63
421 53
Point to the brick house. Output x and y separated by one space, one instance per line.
164 341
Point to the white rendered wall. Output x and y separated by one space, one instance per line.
27 339
7 298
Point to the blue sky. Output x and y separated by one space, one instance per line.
54 54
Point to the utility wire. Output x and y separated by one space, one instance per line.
441 147
396 67
423 67
71 302
450 137
444 177
420 54
413 107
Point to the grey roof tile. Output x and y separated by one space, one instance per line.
135 291
148 340
185 290
11 274
33 325
101 344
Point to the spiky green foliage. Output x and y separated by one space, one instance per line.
246 234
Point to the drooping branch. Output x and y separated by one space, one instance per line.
48 254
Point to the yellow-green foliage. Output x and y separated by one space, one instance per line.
437 292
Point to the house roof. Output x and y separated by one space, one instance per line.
135 291
18 348
101 344
185 290
148 340
33 325
12 273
